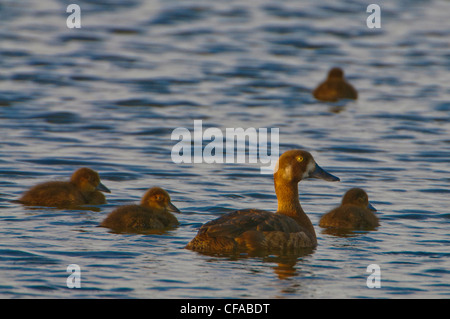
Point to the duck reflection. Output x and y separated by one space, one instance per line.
284 266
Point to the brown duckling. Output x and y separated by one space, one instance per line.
83 188
355 213
335 87
152 214
254 230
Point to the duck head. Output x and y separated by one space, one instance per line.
336 73
295 165
158 198
357 197
88 180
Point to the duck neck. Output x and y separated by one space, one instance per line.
80 189
289 204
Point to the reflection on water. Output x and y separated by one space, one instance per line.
343 232
109 95
284 266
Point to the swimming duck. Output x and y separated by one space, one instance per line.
83 188
354 213
152 214
253 230
335 87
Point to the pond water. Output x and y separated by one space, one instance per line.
110 94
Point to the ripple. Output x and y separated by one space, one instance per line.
42 78
180 14
442 106
80 37
153 103
59 117
284 12
67 162
420 254
302 44
359 149
435 190
9 98
95 254
20 257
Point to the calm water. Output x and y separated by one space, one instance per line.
109 95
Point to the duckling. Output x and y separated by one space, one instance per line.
355 213
153 214
83 188
335 88
255 230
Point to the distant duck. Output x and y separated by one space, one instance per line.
254 230
152 214
355 213
335 87
83 188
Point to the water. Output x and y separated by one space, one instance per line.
109 95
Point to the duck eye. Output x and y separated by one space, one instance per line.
299 159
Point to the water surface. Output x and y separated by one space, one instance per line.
109 95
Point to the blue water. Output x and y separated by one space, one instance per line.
109 95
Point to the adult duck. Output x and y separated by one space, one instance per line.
287 230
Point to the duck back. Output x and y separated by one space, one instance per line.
54 194
139 219
333 90
350 217
83 188
251 230
335 87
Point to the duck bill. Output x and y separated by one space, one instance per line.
172 208
371 207
103 188
322 174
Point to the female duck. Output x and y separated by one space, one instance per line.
335 88
354 213
152 214
83 188
289 229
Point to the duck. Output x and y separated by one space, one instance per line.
153 214
335 87
354 213
84 187
257 231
